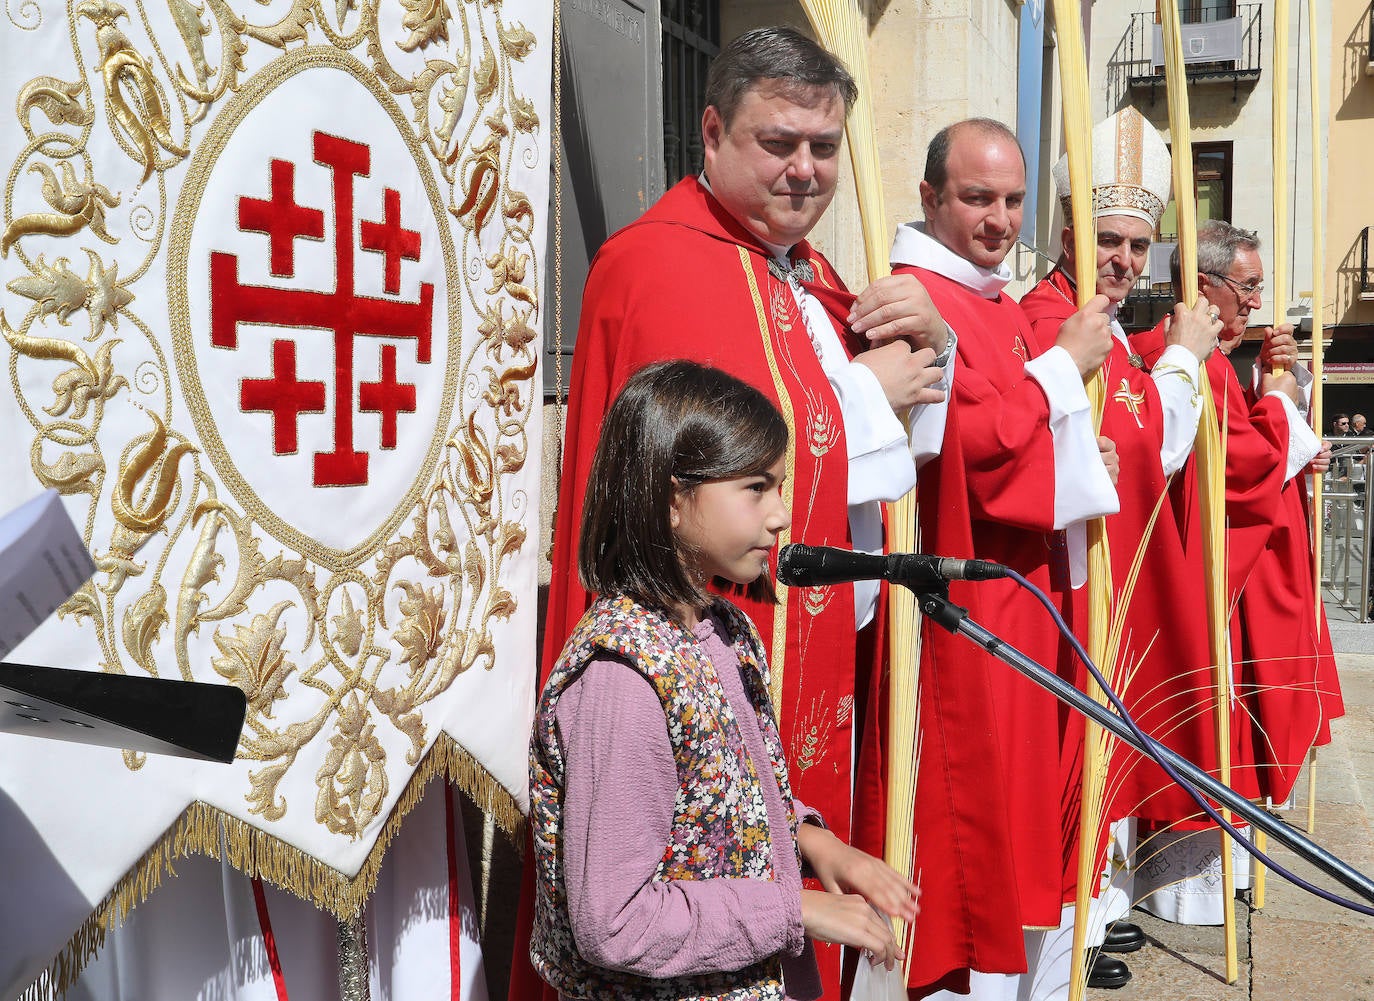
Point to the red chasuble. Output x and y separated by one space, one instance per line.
1164 647
987 789
1256 441
1287 675
687 281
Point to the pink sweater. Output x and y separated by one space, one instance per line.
620 787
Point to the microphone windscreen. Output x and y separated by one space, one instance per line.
793 561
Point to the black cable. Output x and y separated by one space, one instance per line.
1150 744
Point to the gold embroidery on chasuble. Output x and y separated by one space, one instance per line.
1020 349
822 428
777 655
1133 402
295 429
815 425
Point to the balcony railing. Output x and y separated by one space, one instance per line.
1366 279
1369 44
1221 43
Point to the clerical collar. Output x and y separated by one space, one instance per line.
1118 331
913 246
780 252
1072 282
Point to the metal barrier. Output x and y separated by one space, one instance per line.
1346 496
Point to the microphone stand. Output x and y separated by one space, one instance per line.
935 605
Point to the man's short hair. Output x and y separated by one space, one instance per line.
937 153
1218 242
779 54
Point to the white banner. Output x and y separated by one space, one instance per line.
271 318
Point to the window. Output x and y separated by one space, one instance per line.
1211 182
1201 11
691 39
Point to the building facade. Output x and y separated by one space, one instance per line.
1349 273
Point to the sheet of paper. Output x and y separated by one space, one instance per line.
42 563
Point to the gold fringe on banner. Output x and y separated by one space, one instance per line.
206 830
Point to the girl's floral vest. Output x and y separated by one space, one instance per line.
720 822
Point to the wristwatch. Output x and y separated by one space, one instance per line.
942 359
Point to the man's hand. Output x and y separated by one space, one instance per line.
1284 382
905 375
898 306
1107 449
843 869
1197 329
1280 348
1321 462
1087 336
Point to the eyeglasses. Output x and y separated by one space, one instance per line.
1243 290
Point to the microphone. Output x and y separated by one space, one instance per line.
805 566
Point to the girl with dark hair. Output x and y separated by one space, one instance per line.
668 846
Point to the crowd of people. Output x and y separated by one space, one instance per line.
707 744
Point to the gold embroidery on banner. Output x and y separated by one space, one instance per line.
130 88
77 205
776 656
202 164
57 99
282 617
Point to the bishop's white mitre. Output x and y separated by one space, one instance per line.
1131 169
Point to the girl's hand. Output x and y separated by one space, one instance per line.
847 919
842 869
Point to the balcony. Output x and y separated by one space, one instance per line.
1366 279
1221 44
1369 44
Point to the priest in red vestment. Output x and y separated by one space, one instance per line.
1020 462
1268 444
1164 657
719 271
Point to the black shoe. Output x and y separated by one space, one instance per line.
1107 973
1123 937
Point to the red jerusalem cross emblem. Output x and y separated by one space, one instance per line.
341 313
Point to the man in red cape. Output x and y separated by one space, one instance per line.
719 271
1268 443
1164 653
1020 462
